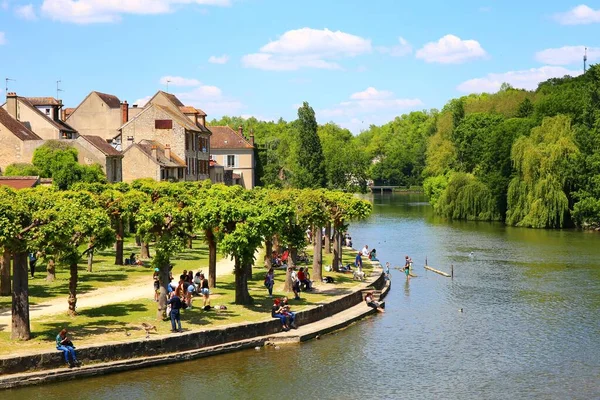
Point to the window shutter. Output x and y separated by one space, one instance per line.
237 161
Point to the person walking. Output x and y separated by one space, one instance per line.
175 303
64 344
32 262
270 281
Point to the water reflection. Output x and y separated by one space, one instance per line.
529 326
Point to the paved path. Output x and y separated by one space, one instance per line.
101 297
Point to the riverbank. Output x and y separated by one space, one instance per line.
120 356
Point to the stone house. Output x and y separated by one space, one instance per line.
151 159
217 172
95 150
165 120
235 152
17 141
100 114
41 115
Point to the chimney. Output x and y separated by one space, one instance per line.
168 151
124 112
252 138
241 131
63 115
154 151
11 104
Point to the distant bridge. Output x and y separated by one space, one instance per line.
384 188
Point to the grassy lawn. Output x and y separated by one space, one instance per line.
120 322
105 273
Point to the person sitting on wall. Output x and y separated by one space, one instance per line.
288 312
373 255
365 251
64 344
277 312
372 303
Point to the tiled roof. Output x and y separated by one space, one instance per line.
161 159
188 110
110 100
174 99
200 112
19 182
215 164
223 137
68 112
102 145
60 125
15 127
43 101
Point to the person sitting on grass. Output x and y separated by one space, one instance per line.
373 255
277 312
372 303
176 305
365 251
288 312
64 344
358 261
304 280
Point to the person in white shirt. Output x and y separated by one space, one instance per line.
365 251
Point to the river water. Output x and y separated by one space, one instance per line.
530 325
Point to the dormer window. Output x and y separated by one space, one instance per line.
47 111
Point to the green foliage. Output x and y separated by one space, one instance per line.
465 197
308 171
537 195
21 169
433 187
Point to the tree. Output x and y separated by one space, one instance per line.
21 169
308 169
537 195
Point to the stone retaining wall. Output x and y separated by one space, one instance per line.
181 342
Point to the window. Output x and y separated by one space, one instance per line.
163 174
180 173
47 111
230 161
163 124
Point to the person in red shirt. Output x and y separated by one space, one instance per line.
304 280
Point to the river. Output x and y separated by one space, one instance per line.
529 326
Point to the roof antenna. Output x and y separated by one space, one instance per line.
168 81
585 60
6 80
58 89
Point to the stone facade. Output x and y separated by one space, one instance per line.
17 142
95 116
136 165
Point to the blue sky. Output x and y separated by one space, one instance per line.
355 62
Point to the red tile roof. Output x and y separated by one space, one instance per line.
19 182
16 128
223 137
188 110
173 161
68 112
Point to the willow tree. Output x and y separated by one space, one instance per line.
466 197
537 195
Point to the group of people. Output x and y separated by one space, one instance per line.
133 260
300 281
181 294
281 310
279 260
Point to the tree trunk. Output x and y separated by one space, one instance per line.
73 289
212 258
145 251
119 243
328 238
51 271
287 287
336 250
317 255
163 279
90 260
190 243
292 257
269 252
276 244
138 240
5 273
20 298
242 296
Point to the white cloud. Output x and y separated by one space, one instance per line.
4 5
2 38
402 49
580 15
307 48
370 105
26 12
178 81
567 55
451 49
105 11
524 79
219 60
142 102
